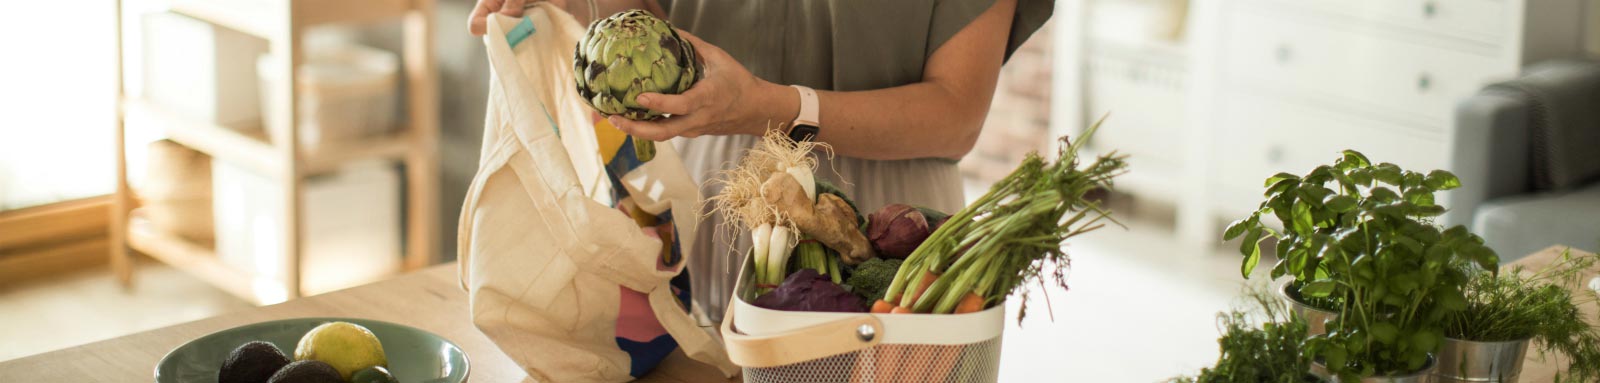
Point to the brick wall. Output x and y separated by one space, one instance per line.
1019 117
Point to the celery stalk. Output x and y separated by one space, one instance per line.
833 269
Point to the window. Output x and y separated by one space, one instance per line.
57 101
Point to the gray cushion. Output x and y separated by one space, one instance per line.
1520 225
1563 124
1491 153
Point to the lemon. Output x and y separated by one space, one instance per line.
345 346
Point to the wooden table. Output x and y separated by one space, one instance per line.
1541 369
430 299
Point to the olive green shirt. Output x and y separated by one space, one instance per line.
841 45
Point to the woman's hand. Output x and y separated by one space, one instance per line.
478 22
728 101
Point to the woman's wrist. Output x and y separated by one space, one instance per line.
775 105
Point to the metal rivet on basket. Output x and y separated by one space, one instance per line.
866 332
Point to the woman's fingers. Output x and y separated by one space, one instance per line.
513 8
478 22
674 104
657 130
648 130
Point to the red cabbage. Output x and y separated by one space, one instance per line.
897 229
807 290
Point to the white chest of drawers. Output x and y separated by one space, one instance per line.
1284 85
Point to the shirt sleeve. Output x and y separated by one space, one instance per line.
950 16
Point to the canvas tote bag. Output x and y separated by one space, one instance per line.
550 267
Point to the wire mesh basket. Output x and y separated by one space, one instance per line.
816 347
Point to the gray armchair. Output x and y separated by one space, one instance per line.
1528 155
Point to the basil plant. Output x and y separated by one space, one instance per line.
1361 236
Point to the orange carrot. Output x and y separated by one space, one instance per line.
970 303
890 357
882 307
922 287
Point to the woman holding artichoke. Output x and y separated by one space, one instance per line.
901 91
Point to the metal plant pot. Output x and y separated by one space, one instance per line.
1423 375
1316 318
1469 361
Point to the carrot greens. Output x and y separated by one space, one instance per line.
1009 236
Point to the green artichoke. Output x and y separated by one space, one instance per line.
631 53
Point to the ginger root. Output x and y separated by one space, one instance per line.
830 220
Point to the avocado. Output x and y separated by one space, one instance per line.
374 374
252 362
306 371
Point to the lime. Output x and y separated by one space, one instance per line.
345 346
374 374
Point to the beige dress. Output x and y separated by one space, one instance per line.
842 45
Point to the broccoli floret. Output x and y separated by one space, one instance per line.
872 278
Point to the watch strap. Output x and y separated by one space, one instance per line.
805 126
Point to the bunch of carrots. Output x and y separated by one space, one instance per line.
1005 239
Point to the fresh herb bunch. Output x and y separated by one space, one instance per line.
1362 233
1005 238
1541 306
1268 353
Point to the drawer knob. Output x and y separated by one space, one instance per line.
1275 154
1424 82
1283 53
1430 9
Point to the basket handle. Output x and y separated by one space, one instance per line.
807 343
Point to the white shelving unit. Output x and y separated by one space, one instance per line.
282 24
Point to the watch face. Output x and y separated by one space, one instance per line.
803 133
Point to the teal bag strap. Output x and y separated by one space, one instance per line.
520 32
525 28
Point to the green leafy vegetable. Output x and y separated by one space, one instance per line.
1361 236
1265 353
871 278
1541 306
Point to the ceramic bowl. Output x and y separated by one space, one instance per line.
414 355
